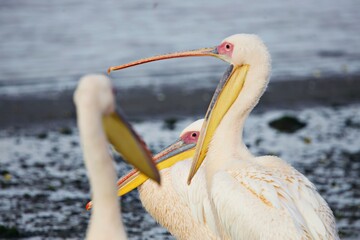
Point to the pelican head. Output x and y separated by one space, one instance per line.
95 92
241 49
183 148
242 52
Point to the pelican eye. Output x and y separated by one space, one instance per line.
227 46
194 134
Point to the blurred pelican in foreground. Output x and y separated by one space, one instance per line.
97 122
184 210
251 197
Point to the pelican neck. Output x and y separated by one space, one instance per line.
227 143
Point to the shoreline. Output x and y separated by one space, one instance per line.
170 101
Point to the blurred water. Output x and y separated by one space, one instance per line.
49 44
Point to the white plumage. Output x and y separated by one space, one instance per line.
270 200
258 197
94 99
250 197
95 107
184 210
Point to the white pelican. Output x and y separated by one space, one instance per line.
251 197
184 210
95 106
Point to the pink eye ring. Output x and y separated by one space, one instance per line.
190 137
226 48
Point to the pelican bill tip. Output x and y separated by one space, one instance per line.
157 177
189 180
109 70
88 206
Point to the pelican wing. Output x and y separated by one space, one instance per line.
279 189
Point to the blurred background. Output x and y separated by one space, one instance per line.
308 116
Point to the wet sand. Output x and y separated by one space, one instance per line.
44 187
172 101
